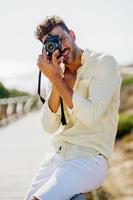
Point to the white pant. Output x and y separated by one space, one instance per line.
61 179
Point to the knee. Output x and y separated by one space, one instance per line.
34 198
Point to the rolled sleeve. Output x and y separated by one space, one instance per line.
50 121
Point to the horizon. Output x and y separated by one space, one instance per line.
103 26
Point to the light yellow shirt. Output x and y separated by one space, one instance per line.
92 122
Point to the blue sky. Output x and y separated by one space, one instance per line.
103 25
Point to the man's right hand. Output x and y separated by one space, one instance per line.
50 68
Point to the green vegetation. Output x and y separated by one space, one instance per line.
126 105
6 93
127 81
125 125
34 103
16 93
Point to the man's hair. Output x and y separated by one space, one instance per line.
48 24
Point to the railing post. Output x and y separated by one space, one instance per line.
13 107
4 111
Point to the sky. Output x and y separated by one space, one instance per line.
102 25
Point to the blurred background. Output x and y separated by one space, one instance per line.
102 25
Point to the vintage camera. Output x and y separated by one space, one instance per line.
52 43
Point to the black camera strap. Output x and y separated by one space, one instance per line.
63 119
39 86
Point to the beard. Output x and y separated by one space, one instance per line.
71 57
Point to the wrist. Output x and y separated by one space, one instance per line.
56 80
55 91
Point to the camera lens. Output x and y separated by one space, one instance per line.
50 47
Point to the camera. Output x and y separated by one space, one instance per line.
52 43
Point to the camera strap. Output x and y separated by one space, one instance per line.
63 119
39 86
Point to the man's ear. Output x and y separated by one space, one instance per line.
72 35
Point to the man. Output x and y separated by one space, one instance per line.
89 85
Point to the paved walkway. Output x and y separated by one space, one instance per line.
23 145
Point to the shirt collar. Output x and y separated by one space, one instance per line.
84 61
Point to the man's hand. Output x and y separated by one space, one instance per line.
51 69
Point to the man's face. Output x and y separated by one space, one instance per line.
68 45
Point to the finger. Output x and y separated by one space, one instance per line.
45 57
60 60
54 57
39 65
43 49
39 60
55 53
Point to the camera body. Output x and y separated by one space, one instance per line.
52 43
